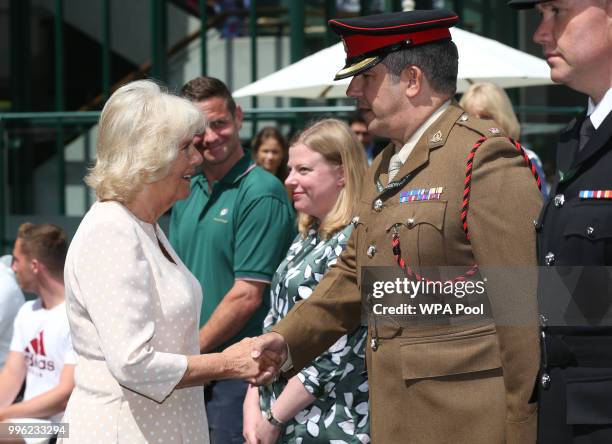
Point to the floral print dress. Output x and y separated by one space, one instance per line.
337 378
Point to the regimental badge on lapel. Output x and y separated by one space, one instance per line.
437 137
419 194
595 194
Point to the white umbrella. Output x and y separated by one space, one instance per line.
480 60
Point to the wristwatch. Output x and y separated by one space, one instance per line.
271 419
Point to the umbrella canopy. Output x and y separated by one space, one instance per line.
480 60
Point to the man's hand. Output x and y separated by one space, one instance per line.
239 363
270 346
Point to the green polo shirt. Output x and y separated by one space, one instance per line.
242 229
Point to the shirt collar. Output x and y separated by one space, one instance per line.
599 112
405 151
237 172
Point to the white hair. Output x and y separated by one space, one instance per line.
140 129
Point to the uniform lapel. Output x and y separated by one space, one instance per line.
569 159
381 165
597 143
568 147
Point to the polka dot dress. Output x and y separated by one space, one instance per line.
134 317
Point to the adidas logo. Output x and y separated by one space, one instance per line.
36 356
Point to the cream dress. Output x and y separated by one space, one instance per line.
134 317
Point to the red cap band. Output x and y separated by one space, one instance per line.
358 44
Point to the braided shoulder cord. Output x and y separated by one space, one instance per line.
468 178
395 239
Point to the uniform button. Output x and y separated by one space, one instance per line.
590 232
543 320
378 204
537 225
374 344
355 220
371 251
545 381
559 200
549 259
410 222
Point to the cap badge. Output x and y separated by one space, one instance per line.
437 137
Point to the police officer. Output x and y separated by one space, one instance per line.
575 230
450 190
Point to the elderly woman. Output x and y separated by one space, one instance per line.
328 400
132 305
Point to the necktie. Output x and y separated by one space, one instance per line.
394 166
586 132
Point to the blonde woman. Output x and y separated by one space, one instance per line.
132 305
328 400
489 101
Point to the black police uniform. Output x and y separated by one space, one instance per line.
575 382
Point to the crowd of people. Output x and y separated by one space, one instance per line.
252 321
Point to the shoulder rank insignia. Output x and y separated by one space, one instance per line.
595 194
419 194
494 130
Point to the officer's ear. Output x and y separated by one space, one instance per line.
412 77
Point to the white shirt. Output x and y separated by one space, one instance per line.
11 299
43 336
405 151
598 113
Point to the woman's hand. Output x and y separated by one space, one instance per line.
238 362
235 362
267 433
251 415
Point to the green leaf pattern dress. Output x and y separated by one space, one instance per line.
337 378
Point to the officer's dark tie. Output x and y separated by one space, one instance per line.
586 132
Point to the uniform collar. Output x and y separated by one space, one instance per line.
405 151
597 113
434 136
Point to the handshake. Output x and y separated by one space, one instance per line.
257 360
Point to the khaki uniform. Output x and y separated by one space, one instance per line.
467 383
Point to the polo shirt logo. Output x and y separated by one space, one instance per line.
221 218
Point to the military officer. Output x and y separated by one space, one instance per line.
450 190
575 231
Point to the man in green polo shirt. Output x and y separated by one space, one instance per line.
232 232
